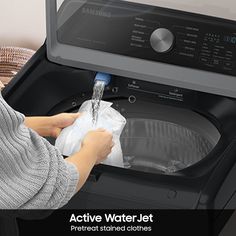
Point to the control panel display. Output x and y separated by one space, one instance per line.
230 39
153 33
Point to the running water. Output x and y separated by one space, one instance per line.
98 91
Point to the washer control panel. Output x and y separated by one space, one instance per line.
153 33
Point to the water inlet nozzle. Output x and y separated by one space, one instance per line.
106 78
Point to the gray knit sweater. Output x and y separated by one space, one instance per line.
33 173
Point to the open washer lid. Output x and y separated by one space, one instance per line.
144 42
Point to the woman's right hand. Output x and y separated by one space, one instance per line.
100 143
95 148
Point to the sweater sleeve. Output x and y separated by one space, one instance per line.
33 173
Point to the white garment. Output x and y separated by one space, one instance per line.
70 139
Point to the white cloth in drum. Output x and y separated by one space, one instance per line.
70 139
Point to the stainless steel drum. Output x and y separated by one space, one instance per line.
152 145
164 138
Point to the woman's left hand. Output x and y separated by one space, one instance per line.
51 126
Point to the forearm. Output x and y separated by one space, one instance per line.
84 161
41 125
51 126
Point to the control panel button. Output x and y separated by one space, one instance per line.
228 64
162 40
216 62
204 60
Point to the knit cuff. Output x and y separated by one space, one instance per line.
73 179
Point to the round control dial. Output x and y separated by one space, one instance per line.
162 40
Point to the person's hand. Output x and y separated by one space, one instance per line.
96 146
51 126
61 121
100 143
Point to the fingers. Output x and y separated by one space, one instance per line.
75 115
64 120
104 130
112 143
101 130
72 116
55 132
69 115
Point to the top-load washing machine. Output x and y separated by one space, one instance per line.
173 78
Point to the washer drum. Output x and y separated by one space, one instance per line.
166 139
151 145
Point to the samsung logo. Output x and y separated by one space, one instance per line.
94 12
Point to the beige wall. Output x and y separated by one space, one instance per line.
22 22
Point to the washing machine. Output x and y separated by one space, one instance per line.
173 79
